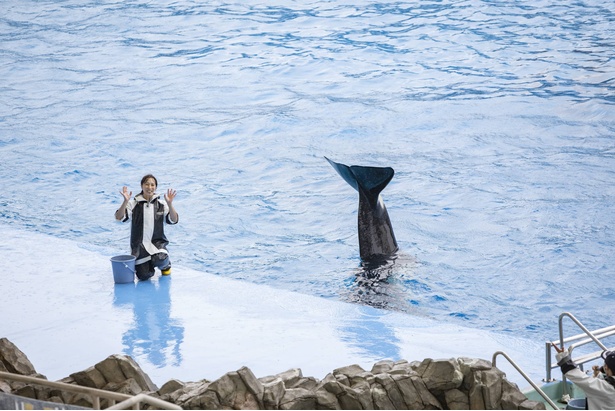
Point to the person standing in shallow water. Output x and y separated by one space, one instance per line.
148 213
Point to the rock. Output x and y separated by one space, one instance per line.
463 383
402 368
475 392
332 385
298 399
392 391
131 369
89 377
532 405
5 387
290 377
347 397
457 400
309 383
129 386
382 366
197 396
170 387
111 370
238 390
57 400
349 371
468 365
14 360
442 375
420 367
364 378
491 381
43 393
255 387
226 388
430 402
381 398
273 394
81 400
349 400
343 379
362 391
64 395
325 400
26 391
188 392
512 397
408 391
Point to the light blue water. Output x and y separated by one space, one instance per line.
497 116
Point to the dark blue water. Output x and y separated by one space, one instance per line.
497 116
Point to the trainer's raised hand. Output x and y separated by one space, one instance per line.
126 194
170 196
121 212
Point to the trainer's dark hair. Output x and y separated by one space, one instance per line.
144 179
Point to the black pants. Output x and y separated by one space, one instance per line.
145 271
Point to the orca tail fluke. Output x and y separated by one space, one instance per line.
367 180
345 172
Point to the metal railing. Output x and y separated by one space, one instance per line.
94 393
139 398
524 375
577 341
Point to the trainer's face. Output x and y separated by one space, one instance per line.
149 188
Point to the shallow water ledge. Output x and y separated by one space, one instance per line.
60 302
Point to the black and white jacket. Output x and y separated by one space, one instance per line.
147 231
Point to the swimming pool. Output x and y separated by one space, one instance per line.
496 116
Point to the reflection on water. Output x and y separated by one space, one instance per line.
153 335
372 335
376 284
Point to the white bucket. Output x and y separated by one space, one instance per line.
123 268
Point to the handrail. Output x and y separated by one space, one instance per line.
94 393
581 326
137 399
588 340
524 375
594 336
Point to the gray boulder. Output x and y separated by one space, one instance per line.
441 375
14 360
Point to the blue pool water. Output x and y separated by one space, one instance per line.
497 116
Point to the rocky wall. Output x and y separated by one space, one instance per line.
455 383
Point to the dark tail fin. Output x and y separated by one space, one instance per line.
376 238
368 180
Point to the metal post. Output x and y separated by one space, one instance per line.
548 361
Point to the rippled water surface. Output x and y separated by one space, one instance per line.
497 116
